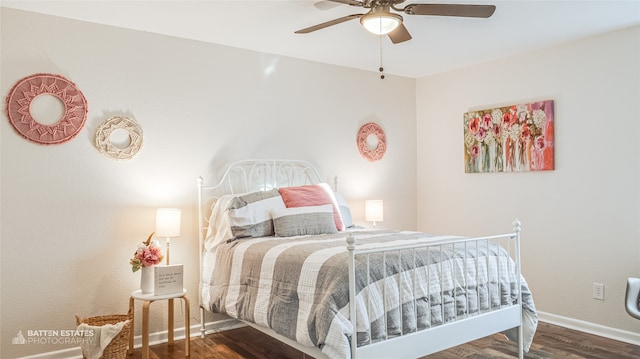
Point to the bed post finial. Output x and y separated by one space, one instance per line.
351 242
517 226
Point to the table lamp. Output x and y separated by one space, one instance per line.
168 225
373 211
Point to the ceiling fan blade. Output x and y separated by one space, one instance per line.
349 2
330 4
328 23
483 11
400 34
325 4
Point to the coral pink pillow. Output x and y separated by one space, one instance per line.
312 195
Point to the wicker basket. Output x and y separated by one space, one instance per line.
117 349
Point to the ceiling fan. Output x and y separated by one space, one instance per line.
380 20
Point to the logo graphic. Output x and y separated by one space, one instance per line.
18 339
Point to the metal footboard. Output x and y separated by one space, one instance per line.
470 292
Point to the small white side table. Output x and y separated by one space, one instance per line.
148 299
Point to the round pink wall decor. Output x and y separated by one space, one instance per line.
375 152
26 90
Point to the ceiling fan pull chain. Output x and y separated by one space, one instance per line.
381 69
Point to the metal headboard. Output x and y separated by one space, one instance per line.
250 176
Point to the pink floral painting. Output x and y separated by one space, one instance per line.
515 138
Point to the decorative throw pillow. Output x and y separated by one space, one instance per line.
312 195
298 221
249 214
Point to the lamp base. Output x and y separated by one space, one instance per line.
168 250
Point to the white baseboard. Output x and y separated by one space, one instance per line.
154 338
591 328
74 353
227 324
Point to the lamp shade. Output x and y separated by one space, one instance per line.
168 222
380 23
373 210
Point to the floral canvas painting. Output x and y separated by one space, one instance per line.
514 138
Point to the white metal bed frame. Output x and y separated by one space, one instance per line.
251 175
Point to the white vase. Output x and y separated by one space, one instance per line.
146 280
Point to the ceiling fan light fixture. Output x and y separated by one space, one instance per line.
380 23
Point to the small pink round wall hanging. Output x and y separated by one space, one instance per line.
28 119
371 141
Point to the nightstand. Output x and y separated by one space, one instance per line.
148 299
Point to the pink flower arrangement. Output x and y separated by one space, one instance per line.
148 254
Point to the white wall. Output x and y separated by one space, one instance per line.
580 221
71 217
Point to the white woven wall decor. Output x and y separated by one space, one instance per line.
105 144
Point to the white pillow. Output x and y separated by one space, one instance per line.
219 229
345 211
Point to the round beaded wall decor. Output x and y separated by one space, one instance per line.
125 149
21 113
372 142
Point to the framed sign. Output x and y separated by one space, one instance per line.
168 279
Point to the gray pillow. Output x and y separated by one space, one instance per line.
249 214
298 221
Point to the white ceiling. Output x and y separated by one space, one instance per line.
439 43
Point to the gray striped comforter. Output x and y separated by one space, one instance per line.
298 286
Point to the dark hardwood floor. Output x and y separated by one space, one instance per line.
550 341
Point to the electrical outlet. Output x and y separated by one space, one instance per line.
598 291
